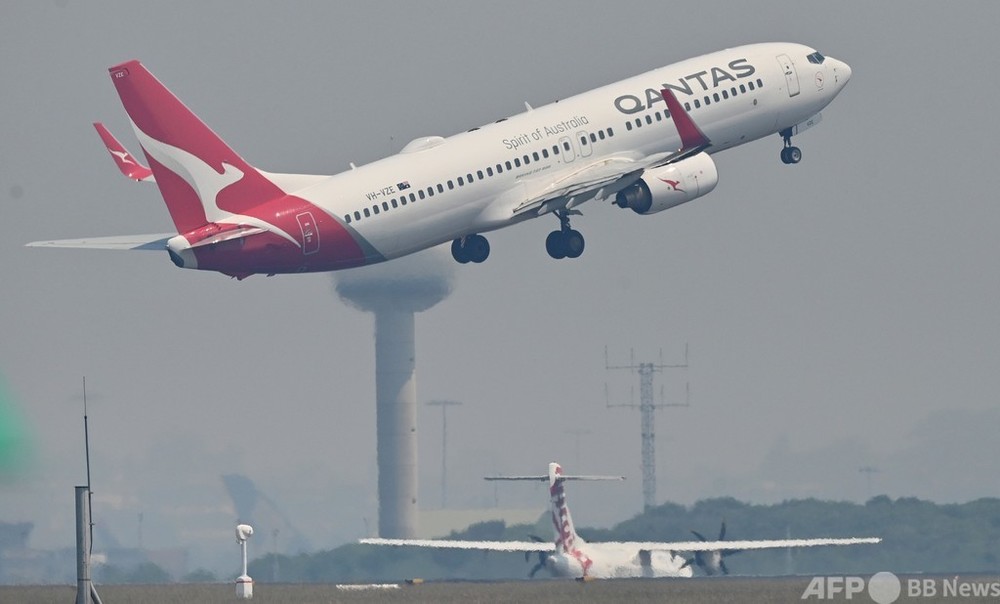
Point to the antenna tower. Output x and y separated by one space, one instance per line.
647 407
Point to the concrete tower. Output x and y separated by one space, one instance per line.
394 292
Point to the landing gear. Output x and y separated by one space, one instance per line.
566 242
471 248
790 154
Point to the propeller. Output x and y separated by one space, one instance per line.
711 561
542 557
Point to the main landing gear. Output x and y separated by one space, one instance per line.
566 242
790 154
471 248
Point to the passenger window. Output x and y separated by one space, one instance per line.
534 156
368 213
451 185
697 104
750 85
385 206
489 171
649 119
600 134
628 126
347 219
611 132
375 209
461 181
527 160
440 188
420 194
430 191
743 89
357 215
479 173
413 197
566 145
517 162
394 203
545 153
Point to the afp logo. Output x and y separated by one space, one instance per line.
882 588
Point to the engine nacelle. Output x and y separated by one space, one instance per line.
671 185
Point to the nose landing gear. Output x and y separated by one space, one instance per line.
790 154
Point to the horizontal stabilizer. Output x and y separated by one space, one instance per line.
561 477
121 242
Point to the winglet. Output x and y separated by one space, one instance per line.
693 140
125 161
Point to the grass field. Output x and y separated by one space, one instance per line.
685 591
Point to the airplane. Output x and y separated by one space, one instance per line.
568 555
611 143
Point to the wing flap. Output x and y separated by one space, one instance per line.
120 242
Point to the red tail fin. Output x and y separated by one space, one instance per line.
201 178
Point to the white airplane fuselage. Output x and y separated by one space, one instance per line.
487 203
616 142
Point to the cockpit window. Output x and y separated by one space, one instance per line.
817 58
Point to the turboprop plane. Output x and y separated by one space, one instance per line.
644 143
568 555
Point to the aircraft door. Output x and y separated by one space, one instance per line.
584 143
310 235
791 77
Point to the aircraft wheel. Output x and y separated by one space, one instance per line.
555 245
477 248
573 243
458 252
791 155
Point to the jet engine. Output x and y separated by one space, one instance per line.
671 185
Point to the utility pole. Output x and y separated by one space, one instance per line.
647 407
444 446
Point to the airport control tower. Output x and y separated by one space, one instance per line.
394 292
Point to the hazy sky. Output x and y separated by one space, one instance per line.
840 313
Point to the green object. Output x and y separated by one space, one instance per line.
14 440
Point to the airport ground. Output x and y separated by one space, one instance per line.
685 591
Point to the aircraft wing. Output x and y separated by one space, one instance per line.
125 161
122 242
494 546
612 174
708 546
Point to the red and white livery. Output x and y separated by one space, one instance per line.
643 143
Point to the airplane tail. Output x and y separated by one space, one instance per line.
200 177
566 538
562 521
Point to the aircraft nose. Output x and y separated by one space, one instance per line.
841 72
